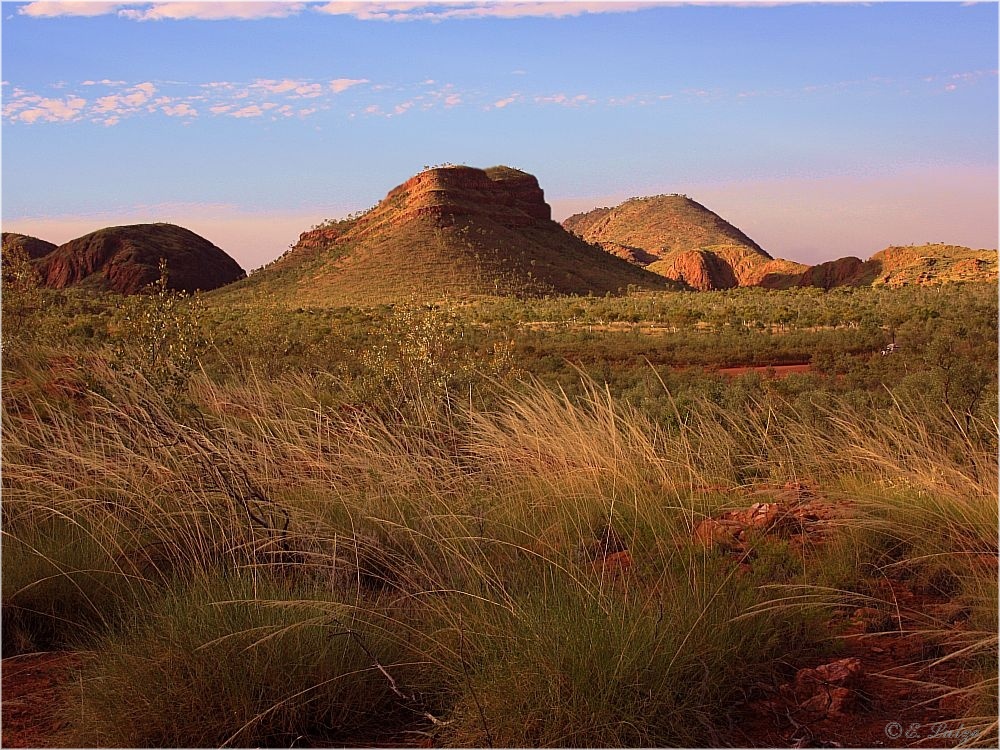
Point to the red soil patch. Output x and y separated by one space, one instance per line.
31 688
777 371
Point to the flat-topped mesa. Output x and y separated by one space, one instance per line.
445 195
447 233
451 192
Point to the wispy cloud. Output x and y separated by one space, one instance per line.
56 9
396 11
202 11
506 101
251 110
342 84
109 102
364 11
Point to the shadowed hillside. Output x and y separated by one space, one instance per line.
32 246
447 232
125 259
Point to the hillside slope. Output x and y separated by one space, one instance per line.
125 259
446 232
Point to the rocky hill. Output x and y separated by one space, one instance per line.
447 232
678 238
125 259
928 265
32 246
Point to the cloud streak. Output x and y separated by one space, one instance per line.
395 11
109 102
203 11
362 11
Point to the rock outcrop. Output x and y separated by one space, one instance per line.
126 259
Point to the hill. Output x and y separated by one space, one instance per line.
32 246
929 265
125 259
446 232
678 238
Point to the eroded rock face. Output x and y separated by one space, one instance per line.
126 259
33 247
841 272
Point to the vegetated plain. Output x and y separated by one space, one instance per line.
502 521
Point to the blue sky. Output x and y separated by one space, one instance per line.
820 130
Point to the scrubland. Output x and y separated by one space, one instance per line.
440 525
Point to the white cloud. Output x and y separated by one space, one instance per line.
204 11
180 110
339 85
275 87
424 11
56 9
46 110
251 110
501 103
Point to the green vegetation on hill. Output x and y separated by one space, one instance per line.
447 233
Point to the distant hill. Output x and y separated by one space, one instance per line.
680 239
929 264
446 232
125 259
32 246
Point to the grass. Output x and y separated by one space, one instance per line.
273 558
236 662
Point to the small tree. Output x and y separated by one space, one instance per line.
160 335
21 295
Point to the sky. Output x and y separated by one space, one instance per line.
820 130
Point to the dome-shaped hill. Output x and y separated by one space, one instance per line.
447 232
32 246
660 225
125 259
676 237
